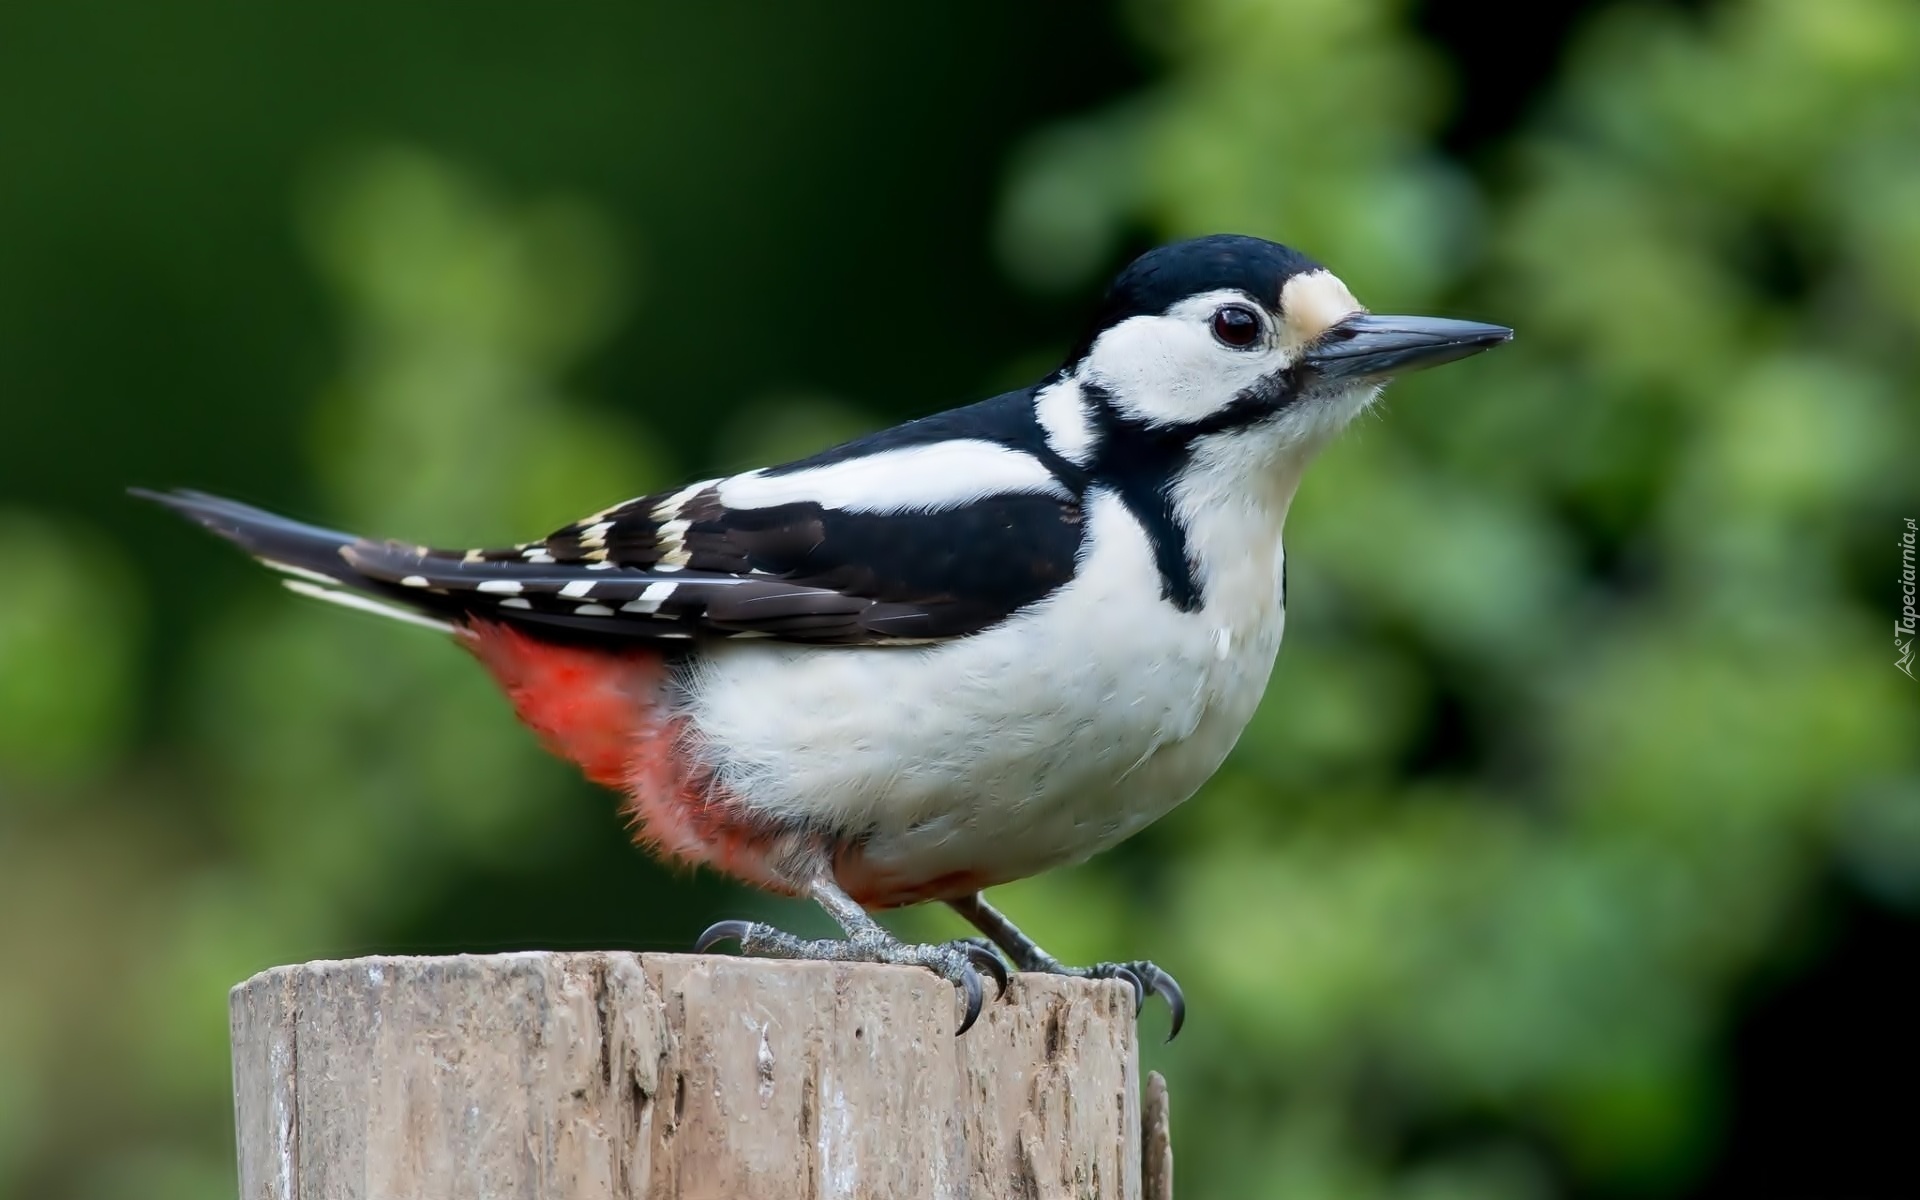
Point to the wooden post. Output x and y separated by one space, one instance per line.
623 1076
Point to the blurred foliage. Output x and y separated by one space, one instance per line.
1588 699
1600 587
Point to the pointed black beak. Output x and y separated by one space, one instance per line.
1369 347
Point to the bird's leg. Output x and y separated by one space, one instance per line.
1026 955
959 963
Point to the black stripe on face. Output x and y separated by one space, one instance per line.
1138 462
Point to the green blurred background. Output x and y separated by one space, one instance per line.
1577 849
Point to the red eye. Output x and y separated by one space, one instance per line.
1236 326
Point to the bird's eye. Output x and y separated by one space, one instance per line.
1236 326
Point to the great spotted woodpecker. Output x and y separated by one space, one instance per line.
947 655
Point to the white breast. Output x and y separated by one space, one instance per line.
1039 742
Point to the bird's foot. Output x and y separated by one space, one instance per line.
959 963
1145 978
1026 955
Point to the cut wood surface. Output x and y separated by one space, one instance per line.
577 1076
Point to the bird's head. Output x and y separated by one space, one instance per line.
1232 333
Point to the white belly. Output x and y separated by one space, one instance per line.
1037 743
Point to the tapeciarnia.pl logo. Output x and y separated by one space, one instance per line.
1903 628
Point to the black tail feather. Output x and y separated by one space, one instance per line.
589 599
312 556
307 550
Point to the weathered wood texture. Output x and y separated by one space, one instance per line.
621 1076
1156 1137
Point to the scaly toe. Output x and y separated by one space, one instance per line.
959 963
955 962
1122 971
1146 980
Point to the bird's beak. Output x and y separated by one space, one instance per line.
1368 347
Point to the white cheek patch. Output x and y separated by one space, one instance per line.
1311 304
1169 369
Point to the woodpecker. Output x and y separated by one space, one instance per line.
944 656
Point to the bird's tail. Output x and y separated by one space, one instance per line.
309 556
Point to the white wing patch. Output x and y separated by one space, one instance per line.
912 478
650 600
672 538
669 508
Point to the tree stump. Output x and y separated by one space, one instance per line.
623 1076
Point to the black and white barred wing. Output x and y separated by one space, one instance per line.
915 544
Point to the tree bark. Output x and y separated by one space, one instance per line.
615 1075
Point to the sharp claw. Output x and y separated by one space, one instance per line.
975 998
1147 980
989 962
1128 973
720 931
1165 985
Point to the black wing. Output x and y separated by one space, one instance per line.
684 564
994 525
